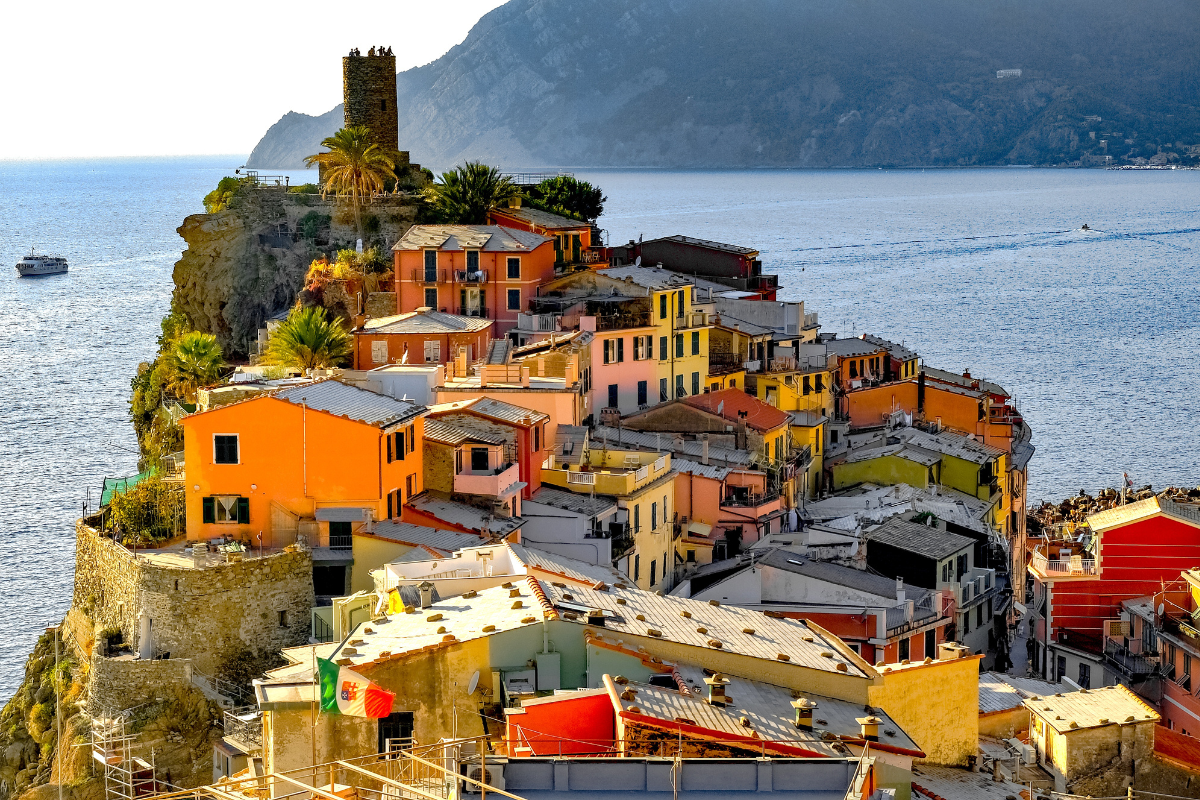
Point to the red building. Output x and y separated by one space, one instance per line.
573 244
472 270
1135 549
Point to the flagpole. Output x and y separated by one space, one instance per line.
313 729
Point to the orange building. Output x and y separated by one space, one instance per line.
481 271
572 238
424 336
317 460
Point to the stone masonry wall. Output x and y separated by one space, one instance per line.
120 684
212 616
369 94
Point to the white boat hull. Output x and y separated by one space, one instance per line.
32 268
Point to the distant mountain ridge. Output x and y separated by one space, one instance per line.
796 83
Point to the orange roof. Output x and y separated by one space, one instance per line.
729 403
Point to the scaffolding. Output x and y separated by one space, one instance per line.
126 777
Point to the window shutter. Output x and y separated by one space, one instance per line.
243 510
389 445
210 510
620 349
390 505
400 448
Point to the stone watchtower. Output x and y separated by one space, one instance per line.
369 92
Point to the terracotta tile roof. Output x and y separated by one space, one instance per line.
759 415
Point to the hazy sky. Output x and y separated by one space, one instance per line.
168 78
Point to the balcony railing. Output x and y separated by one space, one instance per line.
739 500
538 323
470 276
491 483
796 363
481 312
430 276
245 725
1075 565
1131 664
616 322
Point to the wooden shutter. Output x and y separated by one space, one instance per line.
389 446
243 510
401 450
620 349
390 515
210 510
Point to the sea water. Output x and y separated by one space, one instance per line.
1094 332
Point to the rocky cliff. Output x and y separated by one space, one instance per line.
807 83
248 262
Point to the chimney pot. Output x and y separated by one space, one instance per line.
716 689
426 590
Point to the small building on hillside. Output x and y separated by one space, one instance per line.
424 336
730 264
573 245
1077 733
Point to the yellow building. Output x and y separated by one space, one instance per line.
1077 733
936 702
642 482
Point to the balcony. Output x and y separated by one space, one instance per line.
430 276
1131 665
538 323
1075 566
618 473
244 725
974 587
490 482
617 322
746 505
692 319
796 364
763 283
470 276
911 616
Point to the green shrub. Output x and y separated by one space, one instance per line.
150 511
305 188
220 198
312 223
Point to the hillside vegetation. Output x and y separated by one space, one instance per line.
813 83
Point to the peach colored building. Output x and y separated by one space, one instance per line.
474 270
424 336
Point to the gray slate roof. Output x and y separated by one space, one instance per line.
417 535
849 348
506 412
839 575
452 435
600 506
425 322
467 516
896 351
488 238
344 400
705 243
935 543
717 473
665 442
543 219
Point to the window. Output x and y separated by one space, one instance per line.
904 649
733 383
681 299
637 518
1062 668
431 298
1085 676
695 343
283 619
637 566
979 616
966 626
961 567
662 306
778 447
514 299
537 440
695 383
662 390
643 348
391 511
614 351
226 510
340 537
433 352
514 269
401 450
612 395
662 348
472 261
479 459
679 345
431 266
653 570
642 392
408 484
379 352
807 385
819 383
853 369
225 448
654 516
679 390
691 556
931 644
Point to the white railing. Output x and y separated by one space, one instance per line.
585 478
660 463
642 474
1075 565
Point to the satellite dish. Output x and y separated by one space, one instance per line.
637 262
1160 609
474 683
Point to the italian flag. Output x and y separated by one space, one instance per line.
346 692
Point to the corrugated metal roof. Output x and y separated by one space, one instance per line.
452 435
999 692
717 473
599 506
722 623
420 535
935 543
437 322
344 400
464 515
1091 708
506 412
577 571
839 575
705 243
489 238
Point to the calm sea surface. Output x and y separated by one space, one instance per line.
1095 333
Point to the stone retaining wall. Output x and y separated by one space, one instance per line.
210 615
120 684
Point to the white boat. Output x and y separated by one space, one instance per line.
41 265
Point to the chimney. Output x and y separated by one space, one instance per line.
716 689
704 449
899 591
870 727
360 320
596 617
804 713
426 590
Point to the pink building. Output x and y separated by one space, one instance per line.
624 370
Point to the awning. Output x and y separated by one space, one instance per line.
699 529
514 488
1019 608
343 514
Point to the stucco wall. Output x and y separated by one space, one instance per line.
937 704
207 615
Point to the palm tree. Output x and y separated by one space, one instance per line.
195 361
353 166
466 194
308 339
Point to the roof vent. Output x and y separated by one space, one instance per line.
596 617
869 726
716 689
804 713
426 590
